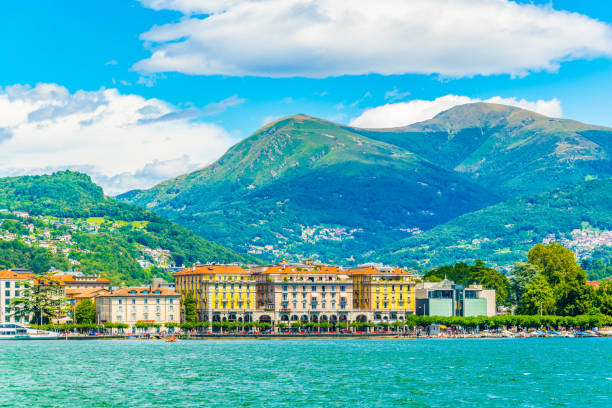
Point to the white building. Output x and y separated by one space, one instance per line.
133 305
10 288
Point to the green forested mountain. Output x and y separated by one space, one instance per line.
508 150
503 233
303 186
71 224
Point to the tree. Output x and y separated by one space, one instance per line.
538 297
189 308
490 279
574 299
85 312
40 300
523 274
604 298
558 263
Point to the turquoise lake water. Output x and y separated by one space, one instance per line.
308 373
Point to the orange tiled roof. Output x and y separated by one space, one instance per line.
14 275
140 292
295 270
70 278
370 270
86 293
593 284
213 269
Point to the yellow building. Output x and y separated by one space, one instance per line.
384 293
221 292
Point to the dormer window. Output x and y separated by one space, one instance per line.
132 292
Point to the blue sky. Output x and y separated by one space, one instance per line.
100 54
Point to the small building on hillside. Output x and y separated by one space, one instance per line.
445 298
78 280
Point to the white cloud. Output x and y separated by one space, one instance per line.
122 141
406 113
321 38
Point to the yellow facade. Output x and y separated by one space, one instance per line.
218 288
382 289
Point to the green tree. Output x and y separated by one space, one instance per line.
490 279
558 263
189 308
85 311
604 298
40 300
523 274
574 299
538 297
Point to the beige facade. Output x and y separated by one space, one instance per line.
133 305
304 292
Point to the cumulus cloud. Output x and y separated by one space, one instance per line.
123 141
406 113
321 38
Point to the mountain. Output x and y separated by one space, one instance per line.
303 186
65 221
508 150
579 216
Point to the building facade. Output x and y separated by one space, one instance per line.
10 287
221 292
448 299
133 305
383 293
303 292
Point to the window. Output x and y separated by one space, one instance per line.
171 308
146 301
342 288
120 301
284 296
314 288
158 317
157 301
171 301
8 284
171 317
157 308
322 288
146 316
133 301
7 293
333 288
284 287
118 318
146 308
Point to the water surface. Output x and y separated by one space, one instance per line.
307 373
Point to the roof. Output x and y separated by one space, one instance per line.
593 284
8 274
213 269
83 278
443 285
320 270
142 292
88 293
383 271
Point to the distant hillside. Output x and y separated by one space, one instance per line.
503 233
303 186
71 224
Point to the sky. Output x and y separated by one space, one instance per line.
134 92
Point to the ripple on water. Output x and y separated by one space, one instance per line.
305 373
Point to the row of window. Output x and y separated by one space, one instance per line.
313 305
285 295
119 318
145 301
145 308
314 288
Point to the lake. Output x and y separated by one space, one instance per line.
538 372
